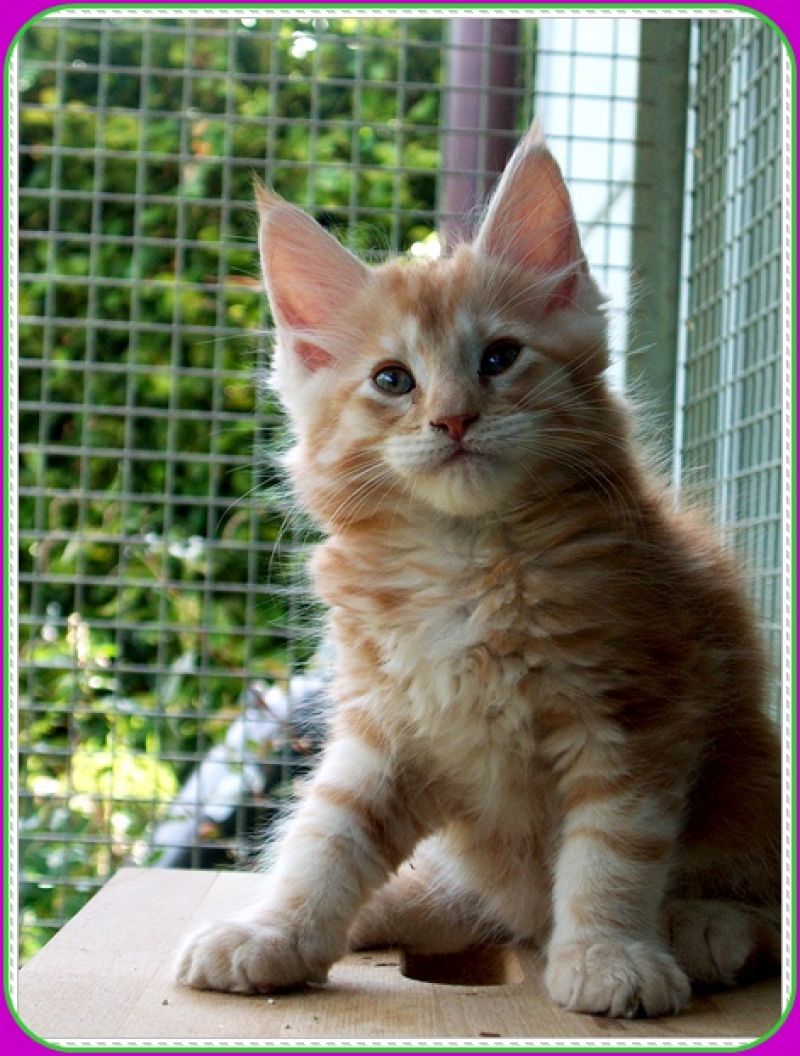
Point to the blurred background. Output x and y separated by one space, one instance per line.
166 701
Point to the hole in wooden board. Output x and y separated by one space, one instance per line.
475 966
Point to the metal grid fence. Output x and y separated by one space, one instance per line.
730 418
159 587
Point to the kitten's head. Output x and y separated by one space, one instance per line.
446 384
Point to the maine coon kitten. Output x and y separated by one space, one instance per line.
547 683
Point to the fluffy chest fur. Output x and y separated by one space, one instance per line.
467 643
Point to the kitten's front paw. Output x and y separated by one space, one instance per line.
243 957
616 979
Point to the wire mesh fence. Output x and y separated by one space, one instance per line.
730 448
164 624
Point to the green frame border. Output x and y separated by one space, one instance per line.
790 751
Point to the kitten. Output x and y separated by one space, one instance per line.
547 683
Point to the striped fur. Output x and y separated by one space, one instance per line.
547 684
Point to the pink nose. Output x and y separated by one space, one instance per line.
455 424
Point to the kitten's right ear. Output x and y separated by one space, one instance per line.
308 275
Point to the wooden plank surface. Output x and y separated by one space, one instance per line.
108 975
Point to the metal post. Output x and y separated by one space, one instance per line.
480 110
651 362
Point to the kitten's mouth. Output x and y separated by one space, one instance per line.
455 456
461 455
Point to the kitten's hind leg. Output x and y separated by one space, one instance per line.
719 943
414 911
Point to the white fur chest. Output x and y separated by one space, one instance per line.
460 659
462 636
444 647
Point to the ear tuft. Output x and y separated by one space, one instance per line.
265 197
535 137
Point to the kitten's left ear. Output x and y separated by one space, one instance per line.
529 221
310 277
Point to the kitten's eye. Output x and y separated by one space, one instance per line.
498 356
397 381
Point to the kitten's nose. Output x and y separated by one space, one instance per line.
455 424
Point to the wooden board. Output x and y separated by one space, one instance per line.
107 975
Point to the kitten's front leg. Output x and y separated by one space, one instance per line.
605 955
353 827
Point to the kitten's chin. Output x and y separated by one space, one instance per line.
464 494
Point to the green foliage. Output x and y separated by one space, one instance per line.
150 591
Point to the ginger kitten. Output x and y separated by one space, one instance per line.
548 687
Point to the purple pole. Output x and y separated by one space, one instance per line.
480 112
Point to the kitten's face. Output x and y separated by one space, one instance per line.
444 384
458 384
